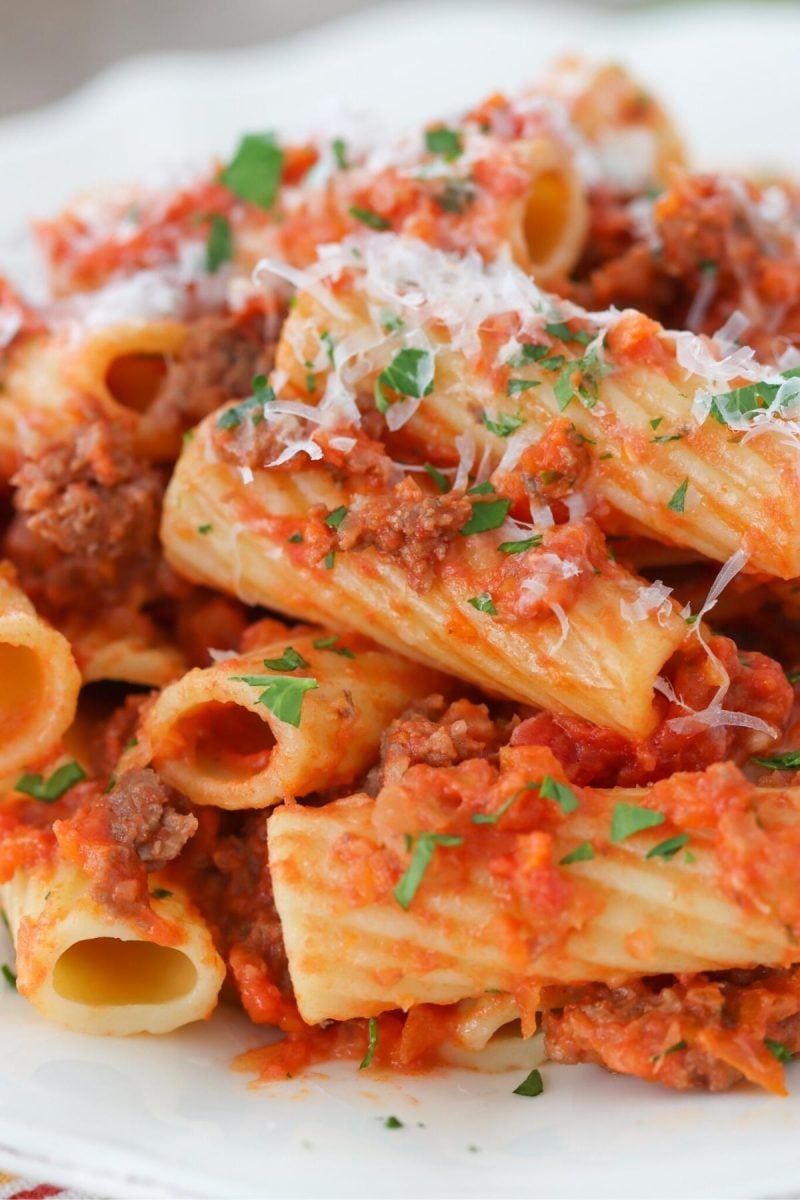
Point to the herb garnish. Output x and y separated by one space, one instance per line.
329 643
628 819
254 172
371 1045
424 847
678 499
282 694
565 798
335 518
410 373
290 660
532 1085
393 1123
339 150
515 386
446 142
53 788
219 244
669 848
160 893
367 217
486 515
441 481
790 761
582 853
483 603
523 544
778 1050
503 424
9 976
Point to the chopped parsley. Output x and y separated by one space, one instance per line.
667 437
446 142
678 499
790 761
339 151
529 353
656 421
329 560
503 424
482 489
53 788
456 196
367 217
329 643
252 407
161 893
689 858
219 244
628 819
483 603
204 528
424 847
372 1045
521 545
673 1049
669 848
254 172
486 515
441 481
296 539
290 660
335 518
582 853
515 386
558 329
745 401
793 676
410 373
532 1085
282 694
389 322
564 796
9 976
393 1123
777 1049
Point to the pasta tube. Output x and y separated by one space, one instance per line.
39 681
288 717
90 970
671 448
635 905
572 665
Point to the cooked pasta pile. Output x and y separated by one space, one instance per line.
399 597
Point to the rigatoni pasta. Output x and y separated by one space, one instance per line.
505 411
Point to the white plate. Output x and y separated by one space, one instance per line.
147 1118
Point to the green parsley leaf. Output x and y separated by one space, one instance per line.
290 660
529 353
9 976
204 528
441 481
667 437
393 1123
282 695
329 560
296 538
326 338
503 424
219 244
515 386
582 853
790 761
564 796
456 196
520 546
532 1085
746 401
669 848
689 858
367 217
335 518
673 1049
112 783
777 1049
410 373
793 676
564 391
656 421
339 149
486 514
678 500
483 603
389 322
482 489
252 407
329 643
254 172
447 142
483 818
628 819
372 1045
53 788
161 893
422 855
558 329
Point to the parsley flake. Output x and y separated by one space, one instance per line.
564 796
282 694
424 848
456 196
673 1049
9 976
446 142
482 489
329 560
528 353
790 761
367 217
329 643
296 539
562 331
486 515
53 788
339 151
532 1085
628 819
290 660
777 1049
219 244
254 172
515 386
582 853
678 499
393 1123
372 1045
503 424
441 481
161 893
669 848
335 518
483 603
204 528
484 818
410 373
252 407
520 546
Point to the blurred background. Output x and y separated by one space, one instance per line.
49 47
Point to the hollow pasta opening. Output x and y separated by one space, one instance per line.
110 971
134 380
226 741
21 688
546 215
